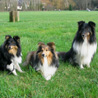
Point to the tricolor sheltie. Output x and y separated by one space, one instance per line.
83 47
44 59
10 54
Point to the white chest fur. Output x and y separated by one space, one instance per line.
84 52
47 71
17 59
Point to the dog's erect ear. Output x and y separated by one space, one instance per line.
17 38
40 44
80 23
51 45
92 24
7 37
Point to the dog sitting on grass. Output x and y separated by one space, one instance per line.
84 45
44 60
10 54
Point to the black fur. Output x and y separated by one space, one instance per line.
82 28
34 60
17 40
5 56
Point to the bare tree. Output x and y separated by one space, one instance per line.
2 5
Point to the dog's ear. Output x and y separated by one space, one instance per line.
7 37
40 44
17 38
92 24
51 45
80 23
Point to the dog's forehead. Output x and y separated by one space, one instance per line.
86 26
45 47
11 40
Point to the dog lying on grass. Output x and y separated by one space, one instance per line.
44 60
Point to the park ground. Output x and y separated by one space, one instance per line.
53 26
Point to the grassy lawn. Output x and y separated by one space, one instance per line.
59 27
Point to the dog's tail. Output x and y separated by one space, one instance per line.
28 58
61 55
64 56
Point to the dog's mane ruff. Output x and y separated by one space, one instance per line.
78 38
19 49
17 40
93 36
5 53
55 61
5 58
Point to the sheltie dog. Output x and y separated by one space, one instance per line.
10 54
44 60
83 47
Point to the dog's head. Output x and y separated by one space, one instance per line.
86 30
46 50
11 44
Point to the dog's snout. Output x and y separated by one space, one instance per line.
43 55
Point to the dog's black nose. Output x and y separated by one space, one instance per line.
9 47
43 55
83 35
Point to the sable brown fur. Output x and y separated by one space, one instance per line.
35 58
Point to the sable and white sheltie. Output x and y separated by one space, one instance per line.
83 47
44 59
10 54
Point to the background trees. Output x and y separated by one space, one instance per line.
6 5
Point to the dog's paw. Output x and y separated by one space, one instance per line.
88 66
14 72
81 67
22 71
48 77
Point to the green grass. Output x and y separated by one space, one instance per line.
59 27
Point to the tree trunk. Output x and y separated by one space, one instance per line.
14 16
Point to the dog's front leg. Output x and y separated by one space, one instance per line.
12 69
88 65
17 67
81 66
